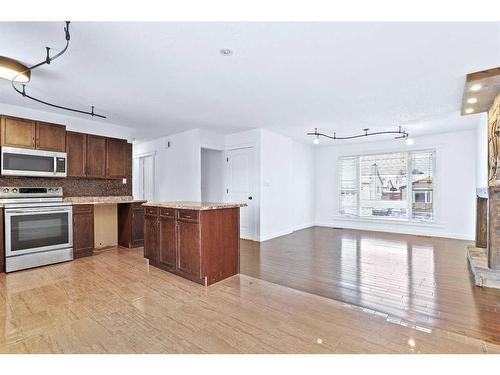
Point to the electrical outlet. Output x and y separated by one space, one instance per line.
124 181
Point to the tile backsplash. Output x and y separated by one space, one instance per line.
74 187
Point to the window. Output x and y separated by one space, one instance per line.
392 185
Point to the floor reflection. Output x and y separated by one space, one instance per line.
419 279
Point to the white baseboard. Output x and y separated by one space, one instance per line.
397 229
270 236
303 226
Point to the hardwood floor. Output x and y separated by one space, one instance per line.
113 302
419 279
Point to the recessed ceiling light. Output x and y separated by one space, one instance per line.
476 87
469 110
472 100
226 52
10 69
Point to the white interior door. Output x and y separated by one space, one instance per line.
239 180
144 177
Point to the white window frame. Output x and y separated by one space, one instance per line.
410 218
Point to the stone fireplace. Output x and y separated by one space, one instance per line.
484 258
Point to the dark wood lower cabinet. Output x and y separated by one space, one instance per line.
200 245
2 251
130 224
188 248
83 230
151 238
167 242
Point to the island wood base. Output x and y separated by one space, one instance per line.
200 245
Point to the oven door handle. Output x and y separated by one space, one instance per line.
38 211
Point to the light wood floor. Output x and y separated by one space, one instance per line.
114 303
420 279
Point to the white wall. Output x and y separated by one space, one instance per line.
92 125
482 151
276 202
212 175
454 187
177 168
303 185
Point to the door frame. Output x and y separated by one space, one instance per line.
145 155
254 214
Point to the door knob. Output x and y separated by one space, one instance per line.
250 198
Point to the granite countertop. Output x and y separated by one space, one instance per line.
102 200
195 205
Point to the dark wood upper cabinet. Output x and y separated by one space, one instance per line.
88 155
167 242
96 156
83 230
76 150
116 158
17 132
50 137
129 161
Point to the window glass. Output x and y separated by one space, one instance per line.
383 180
392 185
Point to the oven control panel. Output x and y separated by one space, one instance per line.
30 192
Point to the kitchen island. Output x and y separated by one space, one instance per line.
199 241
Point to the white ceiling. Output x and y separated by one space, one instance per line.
163 78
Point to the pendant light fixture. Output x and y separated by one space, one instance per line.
18 74
11 69
400 134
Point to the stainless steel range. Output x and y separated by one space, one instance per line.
38 227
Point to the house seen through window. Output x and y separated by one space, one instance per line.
392 185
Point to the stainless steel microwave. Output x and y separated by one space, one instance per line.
35 163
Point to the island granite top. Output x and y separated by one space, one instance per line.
195 205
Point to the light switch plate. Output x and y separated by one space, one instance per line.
124 181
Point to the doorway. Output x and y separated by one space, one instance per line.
143 186
212 175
